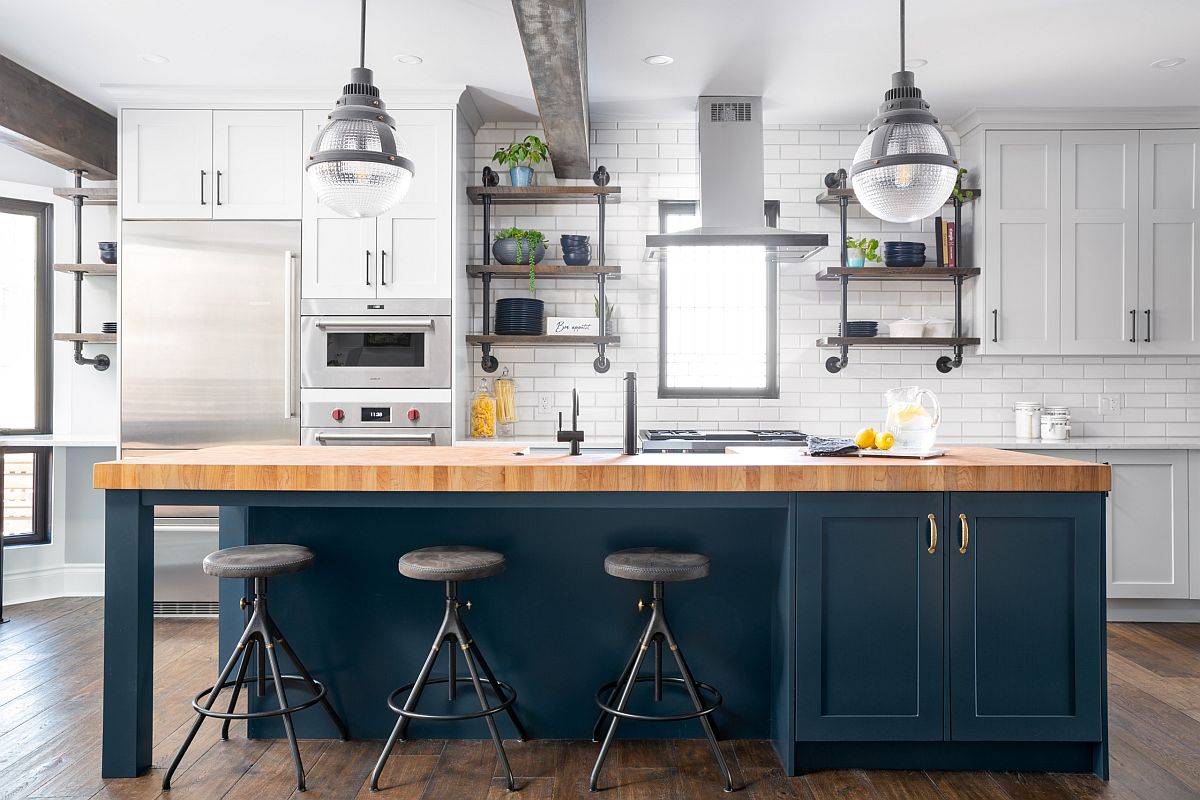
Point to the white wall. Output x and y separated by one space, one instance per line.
653 161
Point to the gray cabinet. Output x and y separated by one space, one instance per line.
1148 525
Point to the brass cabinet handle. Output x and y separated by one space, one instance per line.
966 533
932 534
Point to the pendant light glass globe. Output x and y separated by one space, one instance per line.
909 191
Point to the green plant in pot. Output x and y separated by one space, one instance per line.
518 246
958 193
860 251
610 317
520 158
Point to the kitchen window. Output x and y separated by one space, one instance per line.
718 314
25 314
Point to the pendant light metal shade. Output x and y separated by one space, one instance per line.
358 166
905 169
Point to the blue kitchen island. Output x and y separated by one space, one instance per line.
875 613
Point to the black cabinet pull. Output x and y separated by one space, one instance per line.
383 269
218 190
1133 324
1147 324
203 175
995 324
367 264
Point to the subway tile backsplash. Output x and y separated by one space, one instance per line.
658 161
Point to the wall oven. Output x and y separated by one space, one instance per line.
384 344
375 417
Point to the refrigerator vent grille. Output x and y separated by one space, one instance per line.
726 111
176 608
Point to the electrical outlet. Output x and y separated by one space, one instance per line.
1110 405
545 406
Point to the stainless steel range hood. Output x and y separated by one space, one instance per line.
731 187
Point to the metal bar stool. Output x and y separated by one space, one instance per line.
451 564
656 566
261 635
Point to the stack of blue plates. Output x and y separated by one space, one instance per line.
904 254
519 316
864 328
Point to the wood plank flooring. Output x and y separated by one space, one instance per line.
50 692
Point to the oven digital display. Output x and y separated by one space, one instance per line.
376 414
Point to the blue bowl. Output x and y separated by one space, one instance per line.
577 258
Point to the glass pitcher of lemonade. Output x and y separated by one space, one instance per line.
913 415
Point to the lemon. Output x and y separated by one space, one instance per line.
885 440
865 438
910 412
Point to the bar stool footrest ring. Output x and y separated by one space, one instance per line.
485 712
716 700
291 681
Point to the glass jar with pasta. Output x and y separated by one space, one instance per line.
506 405
483 412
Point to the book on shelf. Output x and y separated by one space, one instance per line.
951 238
937 237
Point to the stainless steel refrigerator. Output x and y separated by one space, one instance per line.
208 357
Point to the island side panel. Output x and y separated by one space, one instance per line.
553 625
128 635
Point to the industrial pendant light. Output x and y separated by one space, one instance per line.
358 166
905 168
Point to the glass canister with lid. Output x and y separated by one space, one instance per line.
506 404
1028 419
1056 423
483 412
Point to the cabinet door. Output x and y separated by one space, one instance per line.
1025 616
869 623
1169 243
1099 242
1148 524
415 234
258 163
166 164
1021 234
339 258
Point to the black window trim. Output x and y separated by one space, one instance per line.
768 392
44 298
41 495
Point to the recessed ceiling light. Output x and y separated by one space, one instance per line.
153 58
407 58
1167 63
659 60
915 63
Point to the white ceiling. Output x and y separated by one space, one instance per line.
812 60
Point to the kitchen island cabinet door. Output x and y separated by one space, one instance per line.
1148 524
1026 617
869 621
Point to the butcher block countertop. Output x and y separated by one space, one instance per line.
504 469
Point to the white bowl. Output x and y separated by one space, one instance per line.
907 328
939 328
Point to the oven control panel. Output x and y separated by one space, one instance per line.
375 414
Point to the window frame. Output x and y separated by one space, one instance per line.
44 300
41 496
770 391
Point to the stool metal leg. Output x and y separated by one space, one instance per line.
630 682
287 718
465 644
343 734
401 725
658 640
612 696
251 645
690 685
487 671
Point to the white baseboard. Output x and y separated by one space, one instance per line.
1137 610
44 583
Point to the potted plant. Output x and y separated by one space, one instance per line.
610 318
860 251
958 193
518 246
520 157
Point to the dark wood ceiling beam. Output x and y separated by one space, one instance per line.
45 120
554 36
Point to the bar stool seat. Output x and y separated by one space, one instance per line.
455 562
656 564
258 561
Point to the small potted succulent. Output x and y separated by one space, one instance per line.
860 251
520 158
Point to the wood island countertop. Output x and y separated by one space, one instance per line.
503 469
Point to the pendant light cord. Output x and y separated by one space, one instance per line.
362 35
902 67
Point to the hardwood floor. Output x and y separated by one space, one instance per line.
50 682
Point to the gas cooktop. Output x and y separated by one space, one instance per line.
694 441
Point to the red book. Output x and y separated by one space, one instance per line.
951 238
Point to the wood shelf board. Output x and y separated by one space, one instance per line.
87 338
540 341
87 269
509 195
896 341
93 196
544 270
896 273
832 197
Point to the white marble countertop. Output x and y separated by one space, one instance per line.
1000 442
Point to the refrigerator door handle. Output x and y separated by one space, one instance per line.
289 334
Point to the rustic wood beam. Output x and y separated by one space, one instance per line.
554 36
45 120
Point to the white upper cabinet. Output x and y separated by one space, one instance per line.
340 258
258 162
1169 243
1021 230
189 164
1099 242
166 164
